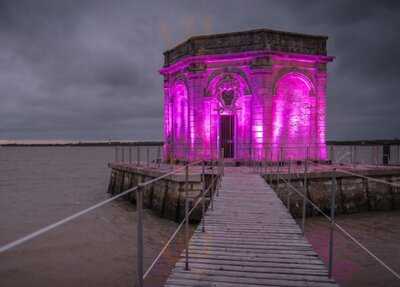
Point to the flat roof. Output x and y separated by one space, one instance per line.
250 40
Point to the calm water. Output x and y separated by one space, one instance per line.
39 185
378 231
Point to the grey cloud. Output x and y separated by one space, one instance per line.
89 69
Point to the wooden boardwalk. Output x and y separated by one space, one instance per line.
250 240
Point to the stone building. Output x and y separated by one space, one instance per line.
258 94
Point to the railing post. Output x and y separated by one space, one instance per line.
271 170
271 166
139 234
147 156
186 217
277 172
158 156
123 154
265 160
303 218
212 186
222 162
287 186
398 154
351 154
355 154
137 155
130 154
203 206
116 154
332 225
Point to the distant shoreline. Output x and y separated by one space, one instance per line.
160 143
110 143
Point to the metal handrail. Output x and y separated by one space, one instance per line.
368 178
172 237
56 224
340 228
139 224
308 200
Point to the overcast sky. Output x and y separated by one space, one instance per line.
89 69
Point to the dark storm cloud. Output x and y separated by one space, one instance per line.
89 69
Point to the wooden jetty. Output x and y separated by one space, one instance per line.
250 240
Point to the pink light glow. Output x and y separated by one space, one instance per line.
294 106
280 109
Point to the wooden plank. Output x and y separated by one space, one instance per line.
198 279
227 266
309 261
250 240
179 271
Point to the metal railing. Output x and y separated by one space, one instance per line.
371 154
331 217
212 190
257 152
216 169
149 156
248 153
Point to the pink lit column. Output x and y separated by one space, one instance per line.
261 106
321 111
197 114
167 121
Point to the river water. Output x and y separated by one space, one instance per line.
40 185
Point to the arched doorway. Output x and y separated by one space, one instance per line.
229 102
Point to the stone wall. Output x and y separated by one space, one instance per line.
165 197
353 194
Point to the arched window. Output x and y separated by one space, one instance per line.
293 115
180 117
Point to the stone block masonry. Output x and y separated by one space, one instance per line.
166 197
353 194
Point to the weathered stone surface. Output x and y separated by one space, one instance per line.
165 197
353 194
253 40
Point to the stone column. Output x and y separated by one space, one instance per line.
261 84
196 86
321 80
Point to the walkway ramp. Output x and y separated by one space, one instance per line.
250 240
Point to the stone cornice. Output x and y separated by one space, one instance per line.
253 40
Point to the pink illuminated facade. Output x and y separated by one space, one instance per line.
257 94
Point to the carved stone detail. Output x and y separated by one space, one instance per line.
261 62
196 67
254 40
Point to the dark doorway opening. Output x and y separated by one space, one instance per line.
227 128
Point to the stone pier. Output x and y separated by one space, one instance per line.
166 197
354 194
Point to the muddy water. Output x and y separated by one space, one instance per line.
378 231
39 185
